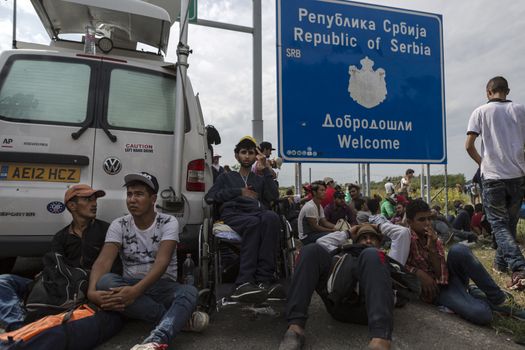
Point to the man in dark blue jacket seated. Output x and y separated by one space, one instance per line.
243 199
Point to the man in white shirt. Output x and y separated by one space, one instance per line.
148 290
500 124
312 223
390 188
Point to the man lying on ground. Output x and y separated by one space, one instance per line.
374 303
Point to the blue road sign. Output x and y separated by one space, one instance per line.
359 83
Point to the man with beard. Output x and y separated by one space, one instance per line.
243 200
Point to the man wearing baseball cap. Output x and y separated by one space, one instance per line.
79 243
148 289
243 199
372 304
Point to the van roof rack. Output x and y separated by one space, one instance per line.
125 22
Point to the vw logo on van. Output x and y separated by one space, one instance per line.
112 165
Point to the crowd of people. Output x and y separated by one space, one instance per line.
353 251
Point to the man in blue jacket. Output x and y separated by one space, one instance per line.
243 200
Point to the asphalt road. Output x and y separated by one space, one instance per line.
416 326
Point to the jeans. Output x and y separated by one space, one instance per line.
260 239
12 291
502 202
167 304
463 265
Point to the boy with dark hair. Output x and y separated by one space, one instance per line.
375 302
148 289
312 223
500 124
338 209
243 200
445 281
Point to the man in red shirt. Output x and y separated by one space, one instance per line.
330 190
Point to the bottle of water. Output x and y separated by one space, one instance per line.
188 270
89 41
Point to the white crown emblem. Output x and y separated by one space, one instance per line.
366 86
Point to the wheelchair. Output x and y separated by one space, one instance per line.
218 256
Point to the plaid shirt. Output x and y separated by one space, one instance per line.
419 259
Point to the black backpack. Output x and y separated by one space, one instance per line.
341 285
58 288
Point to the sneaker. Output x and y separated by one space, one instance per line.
291 341
517 281
249 293
150 346
198 322
275 291
476 292
509 308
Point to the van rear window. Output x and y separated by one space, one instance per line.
45 91
140 100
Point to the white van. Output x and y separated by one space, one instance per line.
67 117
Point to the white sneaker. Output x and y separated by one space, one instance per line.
198 322
150 346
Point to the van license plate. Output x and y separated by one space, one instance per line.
26 172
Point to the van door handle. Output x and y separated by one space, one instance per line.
112 137
76 135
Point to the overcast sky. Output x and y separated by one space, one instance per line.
482 39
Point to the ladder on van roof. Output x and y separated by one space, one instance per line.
125 22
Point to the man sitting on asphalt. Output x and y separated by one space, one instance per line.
312 223
338 210
148 290
79 243
375 301
243 200
446 281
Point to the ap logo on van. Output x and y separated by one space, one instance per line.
112 165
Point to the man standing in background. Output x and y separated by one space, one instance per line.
500 123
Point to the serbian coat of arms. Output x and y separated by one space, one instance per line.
367 86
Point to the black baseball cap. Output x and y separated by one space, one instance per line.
266 145
144 177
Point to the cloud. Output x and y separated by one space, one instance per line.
482 39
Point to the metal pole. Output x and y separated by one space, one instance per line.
368 192
309 175
14 24
257 123
359 173
446 190
183 51
422 181
298 180
428 184
363 177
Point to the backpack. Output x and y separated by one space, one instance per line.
58 288
343 289
80 329
212 135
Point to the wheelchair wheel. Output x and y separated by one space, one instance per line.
288 249
204 254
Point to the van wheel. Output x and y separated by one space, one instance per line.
6 264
